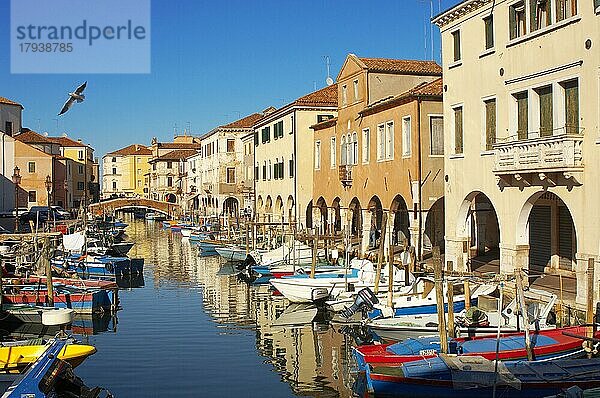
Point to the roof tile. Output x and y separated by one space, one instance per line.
9 102
133 149
402 66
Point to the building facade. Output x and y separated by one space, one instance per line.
10 124
283 144
168 172
383 154
521 88
123 172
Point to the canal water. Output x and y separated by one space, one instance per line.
193 329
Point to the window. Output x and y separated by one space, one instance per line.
406 136
354 148
522 115
458 130
596 5
31 167
80 155
488 23
278 129
366 145
344 95
281 169
317 155
517 20
380 142
264 170
571 106
266 134
153 166
80 169
456 42
546 117
568 8
8 128
276 169
322 118
231 175
230 146
256 172
292 167
540 15
80 186
436 129
114 170
349 149
355 84
169 164
114 185
332 152
389 140
32 196
256 138
490 124
114 159
169 181
343 151
270 170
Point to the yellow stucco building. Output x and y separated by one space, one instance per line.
123 171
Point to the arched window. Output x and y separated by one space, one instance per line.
343 151
349 148
354 148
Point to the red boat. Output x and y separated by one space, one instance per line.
81 283
545 343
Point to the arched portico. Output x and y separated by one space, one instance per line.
401 221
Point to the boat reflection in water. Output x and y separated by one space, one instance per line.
95 324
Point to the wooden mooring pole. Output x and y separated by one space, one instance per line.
381 252
589 318
391 276
450 293
48 267
523 310
439 298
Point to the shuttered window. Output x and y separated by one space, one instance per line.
292 167
572 106
456 41
436 128
488 23
490 124
332 152
389 140
565 238
546 124
539 14
568 8
256 138
458 130
517 20
366 145
522 116
380 142
540 238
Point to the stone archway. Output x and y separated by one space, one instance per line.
279 207
309 217
231 206
269 207
477 224
322 207
356 221
291 208
401 226
435 226
171 198
337 223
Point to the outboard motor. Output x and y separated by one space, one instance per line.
365 300
247 263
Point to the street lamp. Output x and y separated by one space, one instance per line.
16 179
66 186
48 184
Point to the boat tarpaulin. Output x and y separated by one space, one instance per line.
74 242
478 372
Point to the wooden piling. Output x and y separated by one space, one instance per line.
467 295
523 309
439 297
48 268
450 293
391 276
314 254
246 227
589 318
381 252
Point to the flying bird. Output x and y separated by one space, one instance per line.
77 96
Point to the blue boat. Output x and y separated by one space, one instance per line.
465 377
100 267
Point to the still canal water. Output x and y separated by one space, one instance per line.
195 330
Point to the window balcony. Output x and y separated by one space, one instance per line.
345 174
559 153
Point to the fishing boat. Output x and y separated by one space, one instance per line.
94 267
476 376
303 289
151 216
24 313
545 344
478 321
233 253
80 300
289 253
18 357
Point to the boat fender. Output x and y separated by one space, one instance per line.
109 267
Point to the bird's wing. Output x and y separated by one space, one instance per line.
81 88
66 106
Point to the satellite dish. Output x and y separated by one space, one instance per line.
329 81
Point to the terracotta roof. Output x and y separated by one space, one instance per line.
402 66
327 96
179 154
244 123
9 102
31 137
324 124
66 142
133 149
178 145
432 89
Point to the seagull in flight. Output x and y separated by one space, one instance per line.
77 96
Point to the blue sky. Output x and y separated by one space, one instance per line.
214 61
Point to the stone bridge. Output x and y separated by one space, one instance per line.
109 206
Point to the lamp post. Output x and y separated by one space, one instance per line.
16 179
48 184
66 186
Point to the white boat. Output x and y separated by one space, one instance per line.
232 252
294 252
303 289
539 306
186 232
154 216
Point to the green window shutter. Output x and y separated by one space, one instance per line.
522 116
512 22
546 124
533 16
458 130
490 124
437 136
456 41
489 32
572 105
256 138
291 167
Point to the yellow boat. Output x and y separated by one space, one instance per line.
18 357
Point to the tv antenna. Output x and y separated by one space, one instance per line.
329 80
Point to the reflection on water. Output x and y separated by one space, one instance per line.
195 327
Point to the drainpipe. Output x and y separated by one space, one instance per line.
420 177
295 170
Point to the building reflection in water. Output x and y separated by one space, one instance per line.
314 359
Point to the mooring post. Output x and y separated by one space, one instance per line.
439 297
314 253
450 293
48 268
391 276
590 297
381 253
247 237
523 309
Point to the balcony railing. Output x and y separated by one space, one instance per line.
556 153
345 174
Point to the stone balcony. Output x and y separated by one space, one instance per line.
557 154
